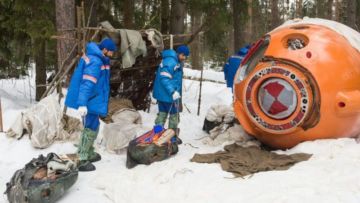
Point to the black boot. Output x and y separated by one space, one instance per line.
96 157
86 166
177 133
178 140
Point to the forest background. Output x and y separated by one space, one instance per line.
27 28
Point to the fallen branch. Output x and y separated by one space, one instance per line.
191 145
203 137
58 73
72 64
205 80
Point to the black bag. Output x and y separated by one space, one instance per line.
142 150
24 187
209 125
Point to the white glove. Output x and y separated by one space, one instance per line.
82 111
176 95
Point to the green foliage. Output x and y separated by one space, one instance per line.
23 22
218 19
110 10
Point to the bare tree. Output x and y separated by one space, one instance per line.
249 22
165 16
351 13
40 67
275 20
299 8
65 20
321 8
91 7
329 11
128 10
239 18
178 8
65 25
195 45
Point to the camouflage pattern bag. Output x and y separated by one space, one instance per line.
143 149
44 179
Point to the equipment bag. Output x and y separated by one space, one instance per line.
147 149
44 179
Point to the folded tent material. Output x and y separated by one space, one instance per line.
243 161
131 43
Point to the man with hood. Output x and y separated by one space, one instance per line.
233 64
168 87
89 94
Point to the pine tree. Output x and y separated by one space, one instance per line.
34 22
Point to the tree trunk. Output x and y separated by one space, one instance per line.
65 19
357 16
337 10
165 16
275 20
144 12
351 13
128 9
91 7
329 11
239 19
178 8
231 43
196 45
320 9
299 8
249 25
258 21
40 67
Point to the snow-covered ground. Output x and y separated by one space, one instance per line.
331 175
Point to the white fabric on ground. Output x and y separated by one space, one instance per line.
226 131
220 113
117 135
219 136
43 123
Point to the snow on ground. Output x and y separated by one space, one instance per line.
331 175
207 74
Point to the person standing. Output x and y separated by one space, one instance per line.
88 92
232 66
168 87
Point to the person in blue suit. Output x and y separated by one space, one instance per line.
88 92
168 87
232 66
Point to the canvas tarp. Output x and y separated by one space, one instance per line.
124 124
45 123
243 161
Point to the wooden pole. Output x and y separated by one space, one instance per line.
73 62
201 79
1 121
60 75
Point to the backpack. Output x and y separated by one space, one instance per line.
43 179
146 150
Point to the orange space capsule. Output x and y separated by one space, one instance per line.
301 82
